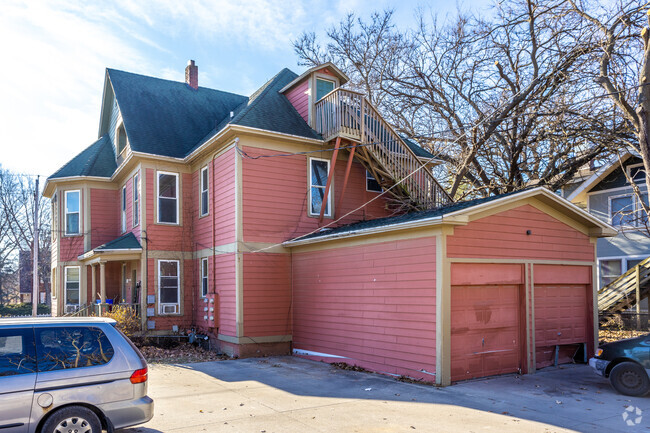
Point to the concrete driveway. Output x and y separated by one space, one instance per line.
286 394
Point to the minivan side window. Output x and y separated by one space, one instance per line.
58 348
17 352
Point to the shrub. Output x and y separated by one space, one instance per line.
22 309
128 320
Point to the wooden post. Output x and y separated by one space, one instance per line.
637 288
330 175
102 286
345 182
93 283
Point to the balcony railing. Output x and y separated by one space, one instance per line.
347 114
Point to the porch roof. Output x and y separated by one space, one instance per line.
126 244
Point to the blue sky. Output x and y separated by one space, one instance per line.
55 53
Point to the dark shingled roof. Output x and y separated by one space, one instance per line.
124 242
98 159
270 110
165 117
405 218
419 151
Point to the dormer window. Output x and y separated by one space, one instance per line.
323 87
121 139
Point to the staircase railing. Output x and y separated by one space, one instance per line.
621 294
347 114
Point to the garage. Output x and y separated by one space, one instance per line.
494 286
563 308
486 328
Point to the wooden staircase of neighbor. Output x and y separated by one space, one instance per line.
624 292
348 116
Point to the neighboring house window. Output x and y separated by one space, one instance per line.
121 139
167 197
123 209
136 200
318 171
627 211
371 183
71 288
204 277
609 271
168 286
636 172
72 212
204 191
323 87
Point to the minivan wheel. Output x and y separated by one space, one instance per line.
72 419
630 378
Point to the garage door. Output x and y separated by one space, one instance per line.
561 314
485 332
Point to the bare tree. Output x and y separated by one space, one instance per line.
623 67
17 194
504 100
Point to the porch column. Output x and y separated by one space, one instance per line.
102 281
93 282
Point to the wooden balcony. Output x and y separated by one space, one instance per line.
348 115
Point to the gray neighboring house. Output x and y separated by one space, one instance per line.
607 194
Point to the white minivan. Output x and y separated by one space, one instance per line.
70 375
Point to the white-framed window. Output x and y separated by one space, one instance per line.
167 197
120 138
610 268
204 186
625 210
72 213
123 208
371 183
71 285
318 172
169 287
323 87
136 199
204 277
636 172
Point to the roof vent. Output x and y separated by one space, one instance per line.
232 114
192 75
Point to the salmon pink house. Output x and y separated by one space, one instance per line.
297 220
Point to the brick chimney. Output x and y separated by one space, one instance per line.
192 75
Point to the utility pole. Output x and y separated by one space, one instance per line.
35 248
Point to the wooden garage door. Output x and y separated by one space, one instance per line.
561 318
485 332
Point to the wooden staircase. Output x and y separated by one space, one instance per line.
348 115
624 292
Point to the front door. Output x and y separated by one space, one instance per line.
17 378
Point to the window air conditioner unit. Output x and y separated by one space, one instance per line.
169 308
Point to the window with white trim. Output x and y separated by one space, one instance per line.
204 190
204 277
71 285
627 211
318 172
169 286
167 197
72 212
121 138
136 199
371 183
123 207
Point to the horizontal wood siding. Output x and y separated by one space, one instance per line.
267 294
503 235
275 196
373 304
299 98
104 216
169 237
225 287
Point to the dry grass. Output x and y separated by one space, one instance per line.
609 335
